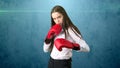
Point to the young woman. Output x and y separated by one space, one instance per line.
62 38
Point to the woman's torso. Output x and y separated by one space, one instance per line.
66 53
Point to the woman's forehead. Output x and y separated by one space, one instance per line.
56 14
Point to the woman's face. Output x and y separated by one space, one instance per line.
57 17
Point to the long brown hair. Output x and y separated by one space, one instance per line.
67 22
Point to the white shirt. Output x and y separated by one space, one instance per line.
66 53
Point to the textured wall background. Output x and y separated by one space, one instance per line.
24 24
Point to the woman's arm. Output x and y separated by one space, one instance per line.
83 45
54 30
46 47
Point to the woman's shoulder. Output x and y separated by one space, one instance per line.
71 29
73 32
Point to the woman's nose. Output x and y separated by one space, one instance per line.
57 21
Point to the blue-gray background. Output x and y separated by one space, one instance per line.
24 24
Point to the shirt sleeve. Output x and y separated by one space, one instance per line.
83 45
46 47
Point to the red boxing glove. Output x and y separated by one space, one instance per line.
54 30
60 43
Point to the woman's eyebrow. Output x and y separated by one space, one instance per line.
59 16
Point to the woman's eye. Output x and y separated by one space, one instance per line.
59 17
